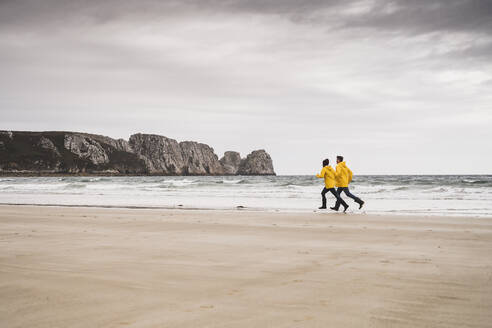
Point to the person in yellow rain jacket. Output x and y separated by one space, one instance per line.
328 174
343 177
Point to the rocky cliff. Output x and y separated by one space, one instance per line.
256 163
230 162
83 153
167 156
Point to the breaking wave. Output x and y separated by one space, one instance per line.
232 181
403 194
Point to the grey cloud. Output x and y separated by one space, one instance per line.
409 16
422 16
480 52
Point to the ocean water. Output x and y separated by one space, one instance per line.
458 195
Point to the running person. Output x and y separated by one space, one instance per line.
329 175
343 177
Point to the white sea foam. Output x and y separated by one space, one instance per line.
178 183
434 195
232 181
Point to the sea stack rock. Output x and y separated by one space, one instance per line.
257 163
199 159
230 162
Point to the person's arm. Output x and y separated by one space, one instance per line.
350 174
322 174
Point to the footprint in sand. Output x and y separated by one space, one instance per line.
207 306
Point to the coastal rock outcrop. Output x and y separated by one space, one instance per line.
230 162
200 159
46 143
117 144
163 155
86 148
83 153
43 153
8 134
160 154
257 163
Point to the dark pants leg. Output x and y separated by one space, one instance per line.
349 194
340 200
335 193
323 197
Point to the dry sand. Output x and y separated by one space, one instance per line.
89 267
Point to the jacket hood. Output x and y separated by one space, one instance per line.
342 164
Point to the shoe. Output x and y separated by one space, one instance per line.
345 209
360 205
322 208
334 208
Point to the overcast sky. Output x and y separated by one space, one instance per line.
399 86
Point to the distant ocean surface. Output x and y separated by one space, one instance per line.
464 195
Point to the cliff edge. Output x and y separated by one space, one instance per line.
59 152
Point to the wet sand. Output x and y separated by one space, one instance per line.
95 267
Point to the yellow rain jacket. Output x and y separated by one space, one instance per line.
343 175
349 174
329 174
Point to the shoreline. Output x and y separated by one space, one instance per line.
240 208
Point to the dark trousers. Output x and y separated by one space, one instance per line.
349 194
335 193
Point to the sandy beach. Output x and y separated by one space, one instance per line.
97 267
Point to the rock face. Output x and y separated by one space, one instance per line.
86 148
47 144
257 163
200 159
163 155
117 144
83 153
160 154
66 153
230 162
